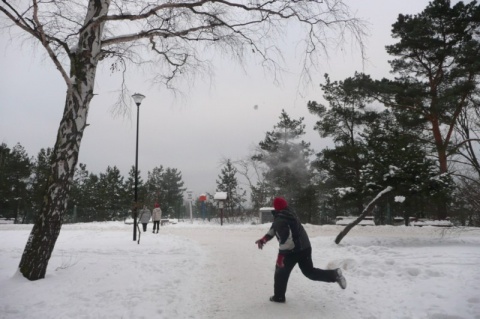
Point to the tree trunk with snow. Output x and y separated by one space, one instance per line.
46 229
367 210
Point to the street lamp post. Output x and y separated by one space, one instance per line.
138 98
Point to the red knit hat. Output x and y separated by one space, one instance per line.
157 205
279 203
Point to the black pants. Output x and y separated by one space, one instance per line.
304 260
156 225
144 226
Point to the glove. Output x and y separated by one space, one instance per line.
262 241
280 258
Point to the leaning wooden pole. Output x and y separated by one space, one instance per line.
367 210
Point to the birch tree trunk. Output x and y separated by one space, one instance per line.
46 229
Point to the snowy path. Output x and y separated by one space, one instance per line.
414 274
237 280
211 272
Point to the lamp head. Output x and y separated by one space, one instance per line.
138 98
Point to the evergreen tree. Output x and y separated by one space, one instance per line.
173 189
227 182
438 66
154 186
288 165
341 169
78 200
396 158
130 189
111 192
343 120
15 166
437 70
91 203
41 169
165 186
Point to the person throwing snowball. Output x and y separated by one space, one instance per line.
294 247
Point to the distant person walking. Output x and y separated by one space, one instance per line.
156 217
294 247
144 218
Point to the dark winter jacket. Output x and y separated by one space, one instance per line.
289 231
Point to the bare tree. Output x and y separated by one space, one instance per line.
171 36
468 134
253 173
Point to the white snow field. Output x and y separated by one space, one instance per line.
201 270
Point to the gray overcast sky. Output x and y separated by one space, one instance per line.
193 134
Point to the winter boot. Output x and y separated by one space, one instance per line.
342 282
277 299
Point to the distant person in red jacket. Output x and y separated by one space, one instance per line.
294 247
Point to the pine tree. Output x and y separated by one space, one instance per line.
396 158
91 202
154 186
130 189
437 72
227 182
41 169
165 186
79 199
342 120
15 166
111 191
288 167
173 187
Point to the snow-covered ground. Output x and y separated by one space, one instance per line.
211 271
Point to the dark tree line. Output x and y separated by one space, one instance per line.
437 72
372 151
93 197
